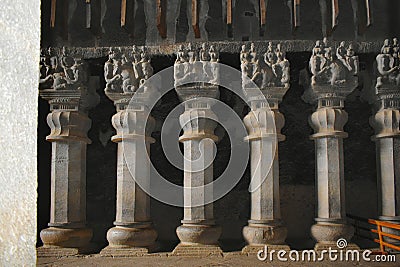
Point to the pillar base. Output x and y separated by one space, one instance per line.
264 234
198 234
197 250
254 249
120 237
329 233
74 238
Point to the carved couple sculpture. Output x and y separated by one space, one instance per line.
124 73
272 71
193 65
61 72
388 64
328 70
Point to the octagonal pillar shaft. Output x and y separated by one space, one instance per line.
133 231
265 224
331 223
387 138
68 184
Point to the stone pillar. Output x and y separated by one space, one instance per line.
330 84
384 97
264 123
198 233
70 93
133 233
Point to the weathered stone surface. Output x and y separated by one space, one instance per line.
19 20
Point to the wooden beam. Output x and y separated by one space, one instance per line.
53 13
123 13
88 14
161 17
369 12
263 13
335 13
296 13
229 17
195 18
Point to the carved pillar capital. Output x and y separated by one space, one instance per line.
328 122
196 65
65 81
132 124
333 76
198 124
386 123
264 123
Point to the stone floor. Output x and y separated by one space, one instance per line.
164 259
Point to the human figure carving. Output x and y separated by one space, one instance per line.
191 65
334 71
386 64
273 71
112 71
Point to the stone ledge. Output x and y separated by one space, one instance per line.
197 251
128 251
62 252
123 252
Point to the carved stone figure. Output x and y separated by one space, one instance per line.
45 79
62 72
388 68
273 71
188 68
124 73
112 71
214 59
204 54
334 71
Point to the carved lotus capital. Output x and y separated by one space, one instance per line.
68 126
263 123
198 124
328 122
131 124
386 123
